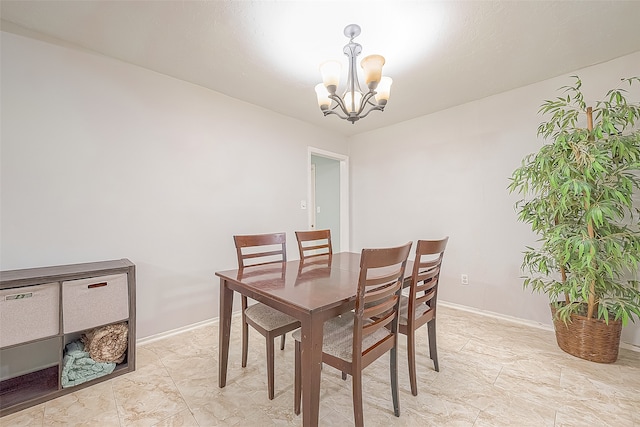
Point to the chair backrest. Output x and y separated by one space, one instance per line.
424 279
378 300
258 249
314 243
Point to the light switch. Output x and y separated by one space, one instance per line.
303 204
318 209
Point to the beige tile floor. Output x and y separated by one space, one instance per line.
493 372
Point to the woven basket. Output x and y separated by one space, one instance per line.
588 339
107 343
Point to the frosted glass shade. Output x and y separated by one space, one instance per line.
348 104
330 71
372 66
383 90
323 96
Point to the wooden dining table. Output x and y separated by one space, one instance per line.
311 291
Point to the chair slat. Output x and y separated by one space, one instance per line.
314 243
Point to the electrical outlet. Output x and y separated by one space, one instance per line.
464 279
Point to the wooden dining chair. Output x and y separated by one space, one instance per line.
314 243
355 339
254 250
419 307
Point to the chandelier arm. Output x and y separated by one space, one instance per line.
327 112
375 104
340 103
366 100
377 107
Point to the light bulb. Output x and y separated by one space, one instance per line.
330 71
383 90
323 96
355 106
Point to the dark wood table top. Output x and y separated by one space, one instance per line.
317 283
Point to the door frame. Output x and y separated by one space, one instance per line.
344 192
313 214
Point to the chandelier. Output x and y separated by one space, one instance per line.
354 104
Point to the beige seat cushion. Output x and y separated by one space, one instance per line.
268 318
338 337
404 307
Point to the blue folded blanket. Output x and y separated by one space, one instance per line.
78 367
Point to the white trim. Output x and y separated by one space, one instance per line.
313 217
157 337
518 320
173 332
344 191
630 347
497 315
345 245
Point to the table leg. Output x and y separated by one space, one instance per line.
226 306
311 370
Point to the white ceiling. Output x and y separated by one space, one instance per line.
267 53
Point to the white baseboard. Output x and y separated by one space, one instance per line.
167 334
518 320
497 315
212 321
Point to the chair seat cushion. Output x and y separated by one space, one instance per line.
338 337
404 307
268 318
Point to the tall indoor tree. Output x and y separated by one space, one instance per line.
580 196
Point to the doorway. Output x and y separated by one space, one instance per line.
329 195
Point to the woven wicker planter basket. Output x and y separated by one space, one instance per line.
588 339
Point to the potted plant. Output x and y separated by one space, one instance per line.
578 197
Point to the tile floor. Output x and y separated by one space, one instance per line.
493 372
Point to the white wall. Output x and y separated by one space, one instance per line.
447 174
104 160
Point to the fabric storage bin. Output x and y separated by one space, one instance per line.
29 313
87 303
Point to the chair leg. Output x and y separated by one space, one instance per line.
297 383
357 397
270 366
393 368
245 340
344 376
411 353
433 349
282 341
